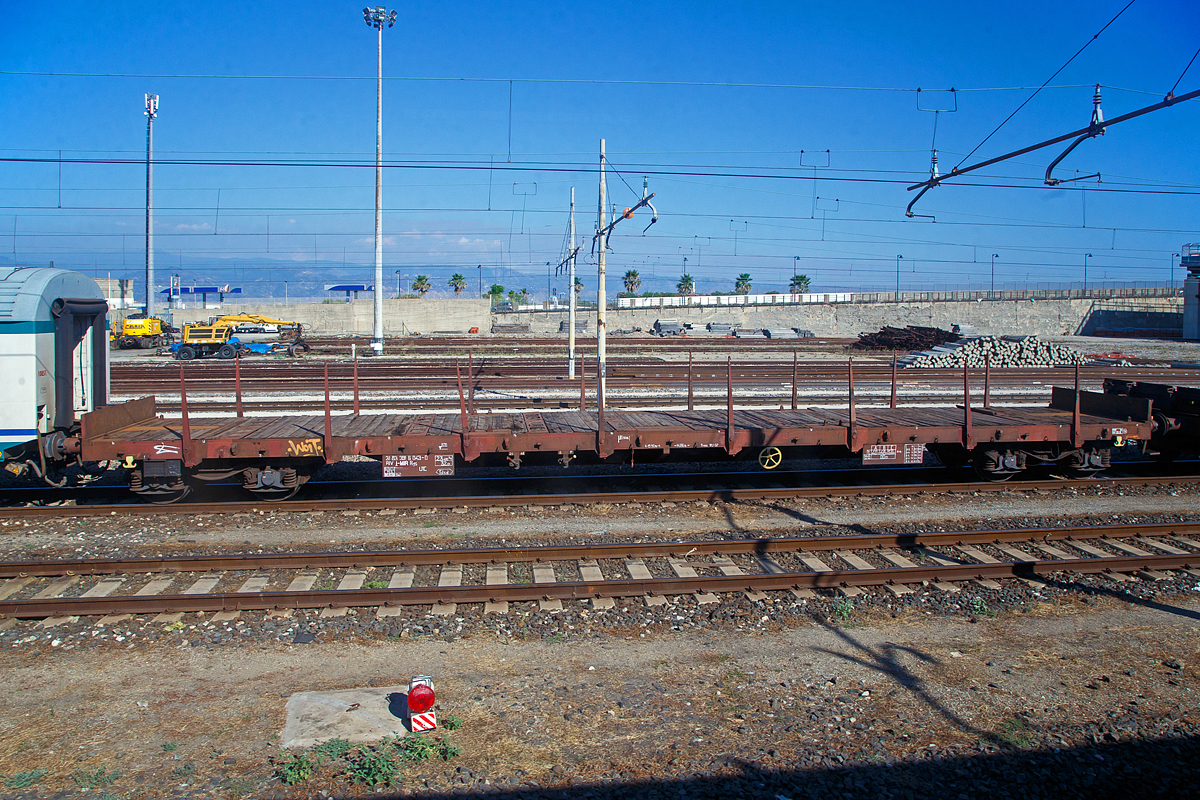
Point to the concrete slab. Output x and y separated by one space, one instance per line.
590 571
401 579
357 715
544 573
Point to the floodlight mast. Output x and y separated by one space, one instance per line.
377 18
151 112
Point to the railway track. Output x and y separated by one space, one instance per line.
597 575
585 490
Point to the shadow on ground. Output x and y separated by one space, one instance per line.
1167 767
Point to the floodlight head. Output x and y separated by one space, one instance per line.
392 19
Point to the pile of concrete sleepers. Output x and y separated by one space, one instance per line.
999 351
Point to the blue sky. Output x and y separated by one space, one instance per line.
665 84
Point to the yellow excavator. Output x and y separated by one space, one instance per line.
217 337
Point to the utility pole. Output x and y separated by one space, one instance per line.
377 18
571 292
151 112
603 229
602 237
994 256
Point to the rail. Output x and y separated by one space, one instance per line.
940 559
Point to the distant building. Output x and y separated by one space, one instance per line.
118 292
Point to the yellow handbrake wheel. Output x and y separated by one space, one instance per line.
770 457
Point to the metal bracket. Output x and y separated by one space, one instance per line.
1095 128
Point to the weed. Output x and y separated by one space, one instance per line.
177 625
294 768
169 747
375 585
184 770
239 787
1014 732
451 722
371 768
323 586
101 777
841 609
557 637
979 608
331 750
25 779
446 749
415 748
429 524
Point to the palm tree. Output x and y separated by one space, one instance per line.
578 286
458 283
633 281
421 285
686 285
800 284
495 292
742 284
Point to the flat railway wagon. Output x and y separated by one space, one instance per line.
53 414
275 455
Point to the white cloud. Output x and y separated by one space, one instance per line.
203 226
387 240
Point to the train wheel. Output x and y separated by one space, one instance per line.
185 353
992 465
770 457
272 484
1087 464
227 352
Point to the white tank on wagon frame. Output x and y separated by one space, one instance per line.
53 358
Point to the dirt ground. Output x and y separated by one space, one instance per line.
591 704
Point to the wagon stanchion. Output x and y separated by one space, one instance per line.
470 384
186 425
852 420
967 443
691 404
795 376
355 380
582 383
464 414
328 443
729 404
987 380
893 403
1077 437
237 383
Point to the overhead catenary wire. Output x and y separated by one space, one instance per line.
1044 85
1185 69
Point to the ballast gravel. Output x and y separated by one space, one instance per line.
1080 686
